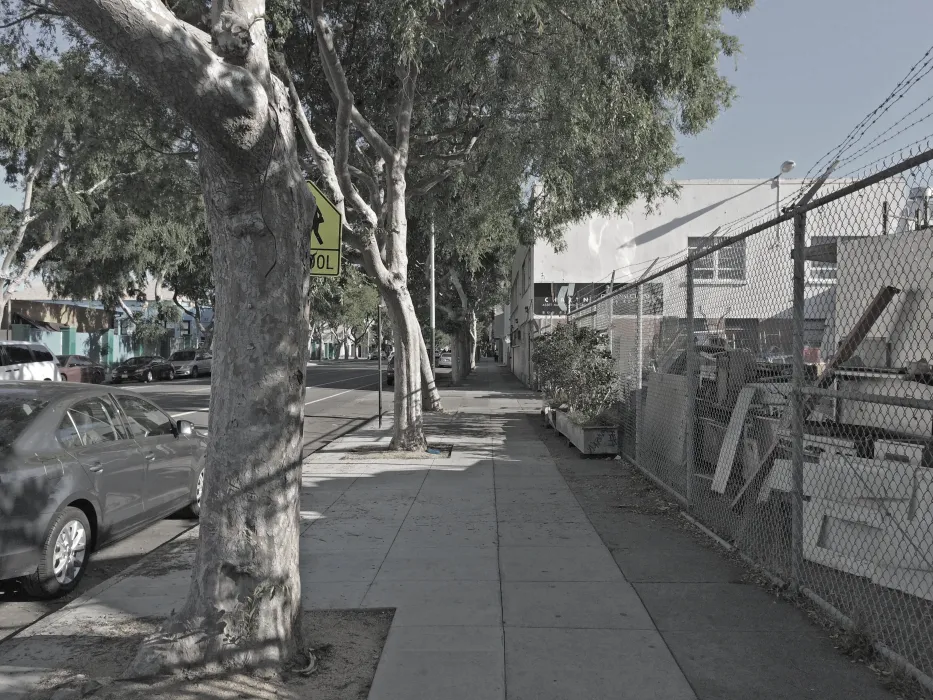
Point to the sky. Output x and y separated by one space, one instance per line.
809 71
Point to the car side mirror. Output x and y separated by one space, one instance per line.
185 428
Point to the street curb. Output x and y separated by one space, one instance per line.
99 588
91 593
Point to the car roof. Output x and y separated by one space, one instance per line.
51 391
28 343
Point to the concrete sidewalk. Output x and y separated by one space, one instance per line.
501 577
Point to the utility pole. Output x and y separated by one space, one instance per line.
433 328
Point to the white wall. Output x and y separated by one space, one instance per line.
630 242
905 261
34 290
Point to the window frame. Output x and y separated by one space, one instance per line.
126 417
120 429
715 269
22 347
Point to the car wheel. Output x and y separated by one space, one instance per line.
194 372
171 374
148 378
64 378
194 510
63 557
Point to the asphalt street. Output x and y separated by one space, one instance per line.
339 397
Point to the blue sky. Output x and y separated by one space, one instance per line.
809 71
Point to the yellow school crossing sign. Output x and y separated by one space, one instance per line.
326 237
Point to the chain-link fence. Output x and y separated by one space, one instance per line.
777 379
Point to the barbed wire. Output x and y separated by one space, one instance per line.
917 72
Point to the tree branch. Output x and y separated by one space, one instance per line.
455 281
408 74
29 15
179 62
425 186
338 80
26 216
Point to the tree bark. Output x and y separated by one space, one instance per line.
243 608
409 422
244 603
431 397
456 364
473 340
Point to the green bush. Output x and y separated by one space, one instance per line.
574 367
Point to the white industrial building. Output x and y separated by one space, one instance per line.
742 292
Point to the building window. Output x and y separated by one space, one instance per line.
818 270
726 264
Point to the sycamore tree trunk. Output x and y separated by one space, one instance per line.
431 397
456 366
473 340
244 603
409 423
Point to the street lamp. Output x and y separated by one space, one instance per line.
786 167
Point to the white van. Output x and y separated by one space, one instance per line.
24 361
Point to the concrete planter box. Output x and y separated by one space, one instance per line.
589 439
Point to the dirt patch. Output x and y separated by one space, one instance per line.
346 645
366 453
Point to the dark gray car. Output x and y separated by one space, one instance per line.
81 465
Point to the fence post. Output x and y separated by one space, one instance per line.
796 407
692 371
639 370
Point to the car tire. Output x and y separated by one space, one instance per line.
70 529
194 509
148 377
63 378
194 373
171 374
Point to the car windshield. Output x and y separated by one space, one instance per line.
138 361
62 360
15 414
183 355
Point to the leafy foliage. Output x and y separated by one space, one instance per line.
574 367
115 195
149 325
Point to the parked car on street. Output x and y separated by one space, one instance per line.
445 360
78 368
82 465
24 361
143 369
191 363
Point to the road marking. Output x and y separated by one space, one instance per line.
332 396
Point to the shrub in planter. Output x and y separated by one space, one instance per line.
574 366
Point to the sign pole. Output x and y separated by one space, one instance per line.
433 327
379 352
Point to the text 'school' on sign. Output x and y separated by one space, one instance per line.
326 237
